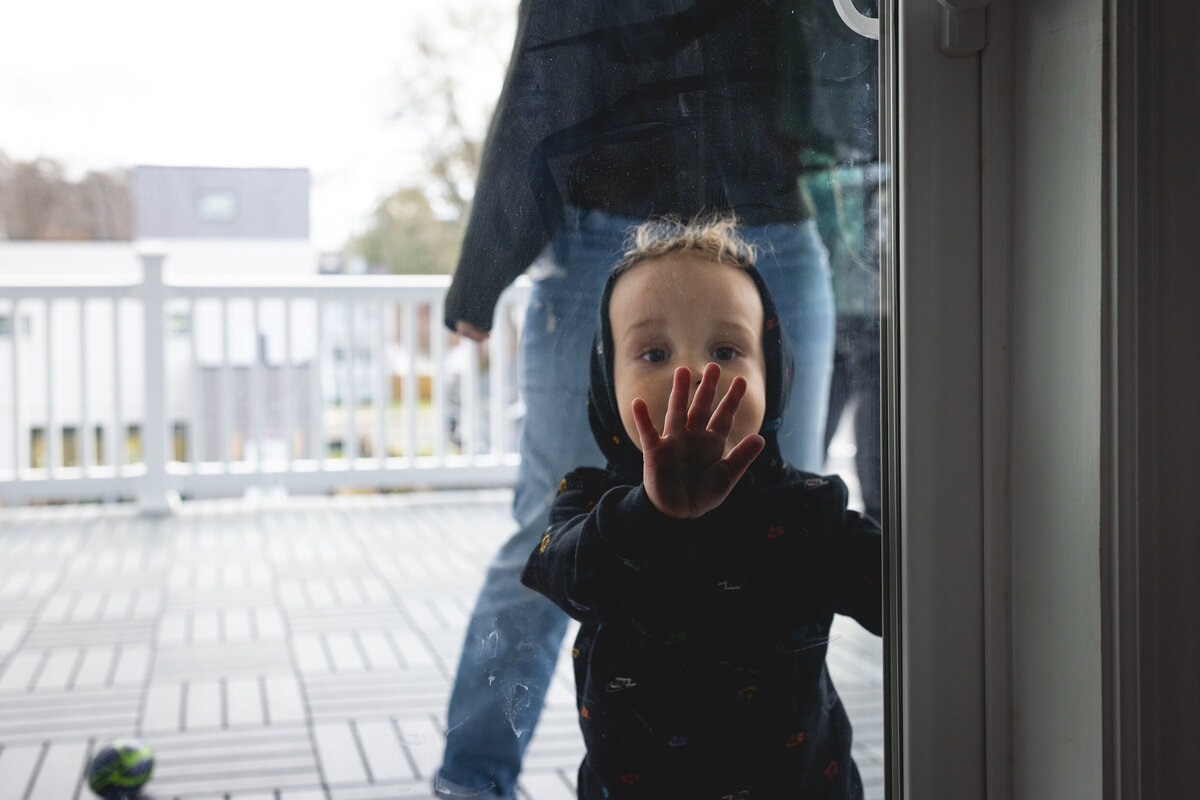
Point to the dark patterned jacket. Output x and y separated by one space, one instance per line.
700 662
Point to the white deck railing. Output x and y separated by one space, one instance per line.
155 390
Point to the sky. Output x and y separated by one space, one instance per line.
237 83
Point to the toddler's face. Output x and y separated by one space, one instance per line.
686 310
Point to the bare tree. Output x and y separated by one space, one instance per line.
448 88
38 201
447 85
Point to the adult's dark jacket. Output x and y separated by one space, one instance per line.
700 661
651 107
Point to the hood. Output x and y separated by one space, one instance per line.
605 417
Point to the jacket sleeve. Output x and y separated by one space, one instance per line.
858 586
607 555
512 212
808 557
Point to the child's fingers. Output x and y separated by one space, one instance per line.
677 404
722 418
706 392
740 457
645 426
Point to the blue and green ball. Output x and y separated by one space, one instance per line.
121 769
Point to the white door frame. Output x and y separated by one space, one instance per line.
1042 405
934 410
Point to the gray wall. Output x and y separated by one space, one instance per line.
1057 377
263 203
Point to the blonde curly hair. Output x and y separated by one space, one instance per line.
715 235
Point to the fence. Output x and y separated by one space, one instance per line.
154 390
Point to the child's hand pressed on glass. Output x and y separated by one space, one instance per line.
686 471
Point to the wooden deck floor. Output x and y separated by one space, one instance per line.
300 651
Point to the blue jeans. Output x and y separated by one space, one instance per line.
514 634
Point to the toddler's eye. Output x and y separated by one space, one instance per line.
654 355
724 353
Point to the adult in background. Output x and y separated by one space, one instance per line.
846 194
612 113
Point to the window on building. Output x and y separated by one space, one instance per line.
8 325
71 456
133 444
38 450
180 323
216 205
179 441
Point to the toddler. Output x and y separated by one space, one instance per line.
704 569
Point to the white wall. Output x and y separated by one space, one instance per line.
187 259
51 261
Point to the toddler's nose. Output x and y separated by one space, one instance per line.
697 367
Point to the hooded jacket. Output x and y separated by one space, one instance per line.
700 660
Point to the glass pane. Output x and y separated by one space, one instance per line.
611 116
388 231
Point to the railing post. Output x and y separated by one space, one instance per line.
154 496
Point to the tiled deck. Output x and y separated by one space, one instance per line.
300 651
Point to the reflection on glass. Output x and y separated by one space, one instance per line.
612 115
274 374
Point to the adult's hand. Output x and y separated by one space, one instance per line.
468 330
